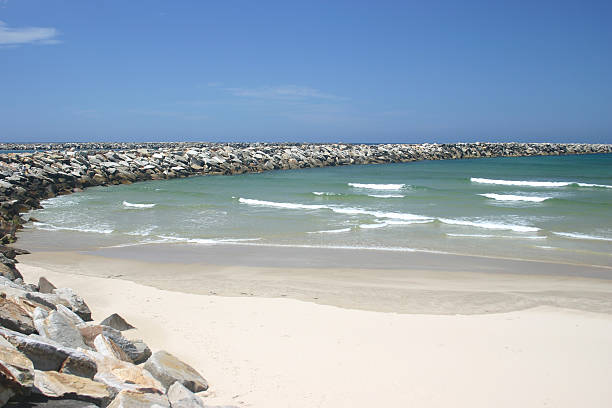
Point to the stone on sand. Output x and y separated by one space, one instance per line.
116 322
168 369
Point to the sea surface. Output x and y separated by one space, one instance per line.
538 208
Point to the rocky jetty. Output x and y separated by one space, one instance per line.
26 178
53 355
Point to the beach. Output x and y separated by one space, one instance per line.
280 352
405 284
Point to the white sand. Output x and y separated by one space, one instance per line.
270 353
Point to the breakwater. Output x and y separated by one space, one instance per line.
26 178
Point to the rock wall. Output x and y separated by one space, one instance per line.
53 355
26 178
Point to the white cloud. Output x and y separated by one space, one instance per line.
285 92
27 35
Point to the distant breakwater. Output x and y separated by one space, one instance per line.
48 170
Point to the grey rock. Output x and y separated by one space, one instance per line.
137 351
70 315
77 304
130 399
58 385
180 397
9 270
47 355
16 372
121 375
56 326
107 347
116 322
40 401
48 300
44 286
15 317
168 369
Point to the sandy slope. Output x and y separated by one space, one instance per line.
286 353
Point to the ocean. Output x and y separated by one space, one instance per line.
554 208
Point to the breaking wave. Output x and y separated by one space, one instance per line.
50 227
378 186
525 183
511 197
132 205
575 235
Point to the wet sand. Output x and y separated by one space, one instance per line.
400 282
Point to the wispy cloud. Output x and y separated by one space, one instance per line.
27 35
283 92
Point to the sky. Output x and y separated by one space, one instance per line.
307 71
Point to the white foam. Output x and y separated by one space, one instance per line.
378 186
575 235
593 185
143 232
403 222
205 241
339 210
489 225
512 197
334 231
291 206
496 236
386 195
374 226
379 214
525 183
324 193
132 205
49 227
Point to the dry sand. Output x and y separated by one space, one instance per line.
280 352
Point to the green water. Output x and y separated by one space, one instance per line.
431 205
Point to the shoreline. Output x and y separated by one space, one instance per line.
410 283
276 352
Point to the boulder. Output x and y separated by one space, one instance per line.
70 315
77 304
8 270
15 317
131 399
40 401
137 351
11 252
168 369
106 346
116 322
28 305
47 355
58 385
16 372
140 353
180 397
59 328
44 286
121 375
49 300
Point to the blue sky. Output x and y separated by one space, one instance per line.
377 71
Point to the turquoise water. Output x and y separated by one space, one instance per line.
543 208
